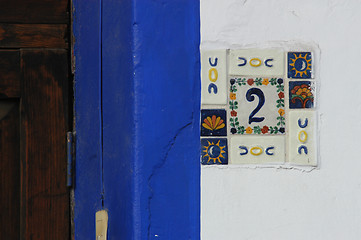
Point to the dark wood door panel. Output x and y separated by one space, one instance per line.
9 169
34 11
34 119
44 123
33 36
9 74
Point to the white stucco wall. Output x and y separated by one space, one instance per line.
269 203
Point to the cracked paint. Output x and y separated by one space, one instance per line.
157 167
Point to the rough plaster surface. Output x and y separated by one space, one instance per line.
270 203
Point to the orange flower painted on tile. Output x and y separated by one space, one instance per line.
265 81
281 112
249 130
303 91
232 96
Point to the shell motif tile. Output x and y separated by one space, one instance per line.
302 138
213 122
214 77
256 106
214 151
301 94
256 62
299 65
256 150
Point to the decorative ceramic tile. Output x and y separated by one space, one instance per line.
214 151
302 137
256 106
256 150
299 65
256 62
214 77
213 122
301 94
244 105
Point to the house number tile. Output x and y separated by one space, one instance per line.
258 107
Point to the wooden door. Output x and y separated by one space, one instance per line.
35 114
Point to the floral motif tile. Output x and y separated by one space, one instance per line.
214 151
213 122
299 65
256 106
301 94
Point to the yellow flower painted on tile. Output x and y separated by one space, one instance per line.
281 112
265 81
304 92
249 130
232 96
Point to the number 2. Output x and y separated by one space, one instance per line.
250 98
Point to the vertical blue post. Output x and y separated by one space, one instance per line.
150 81
87 187
151 98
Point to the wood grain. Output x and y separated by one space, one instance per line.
44 115
34 11
9 74
33 36
9 169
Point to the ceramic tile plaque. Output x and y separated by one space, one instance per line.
258 107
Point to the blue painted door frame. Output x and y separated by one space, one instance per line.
137 101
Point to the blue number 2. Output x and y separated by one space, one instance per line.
258 92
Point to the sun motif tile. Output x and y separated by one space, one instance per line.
301 94
214 151
213 122
256 106
299 65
